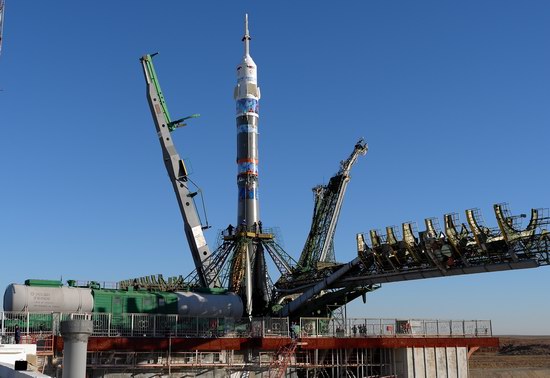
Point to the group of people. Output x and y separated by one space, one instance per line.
362 328
256 227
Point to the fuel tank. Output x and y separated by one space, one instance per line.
193 304
47 299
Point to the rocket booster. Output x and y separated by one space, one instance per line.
247 96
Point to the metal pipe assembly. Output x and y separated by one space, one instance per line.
75 346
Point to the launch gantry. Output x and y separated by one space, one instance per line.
317 284
319 246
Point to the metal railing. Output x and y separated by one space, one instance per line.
143 325
326 327
168 325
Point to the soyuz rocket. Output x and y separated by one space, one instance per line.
247 96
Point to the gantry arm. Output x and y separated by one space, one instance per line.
178 174
328 203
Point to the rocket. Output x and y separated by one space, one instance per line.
247 96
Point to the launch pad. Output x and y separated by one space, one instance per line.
230 317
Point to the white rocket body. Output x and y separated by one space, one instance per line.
247 96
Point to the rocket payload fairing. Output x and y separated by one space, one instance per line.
247 96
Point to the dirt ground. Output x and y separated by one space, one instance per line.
517 357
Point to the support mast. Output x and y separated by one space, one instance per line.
178 175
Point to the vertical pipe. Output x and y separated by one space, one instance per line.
75 335
169 355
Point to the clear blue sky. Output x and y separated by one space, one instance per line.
452 98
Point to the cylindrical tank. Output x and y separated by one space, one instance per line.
209 305
47 299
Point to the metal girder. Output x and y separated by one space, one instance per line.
319 245
283 261
431 254
178 175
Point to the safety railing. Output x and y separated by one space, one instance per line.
327 327
40 325
141 325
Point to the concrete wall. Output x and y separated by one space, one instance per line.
6 371
449 362
9 353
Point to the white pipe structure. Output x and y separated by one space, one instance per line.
75 346
322 285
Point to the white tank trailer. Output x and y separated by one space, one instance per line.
25 298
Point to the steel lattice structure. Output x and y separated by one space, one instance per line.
317 284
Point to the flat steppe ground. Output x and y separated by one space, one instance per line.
517 357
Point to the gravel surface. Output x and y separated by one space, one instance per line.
517 357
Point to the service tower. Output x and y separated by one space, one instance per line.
247 96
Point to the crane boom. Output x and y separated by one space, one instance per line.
178 174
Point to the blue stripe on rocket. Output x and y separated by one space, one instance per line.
248 167
248 105
246 128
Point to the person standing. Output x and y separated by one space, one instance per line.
17 335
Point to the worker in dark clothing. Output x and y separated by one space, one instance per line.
17 334
260 227
230 230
